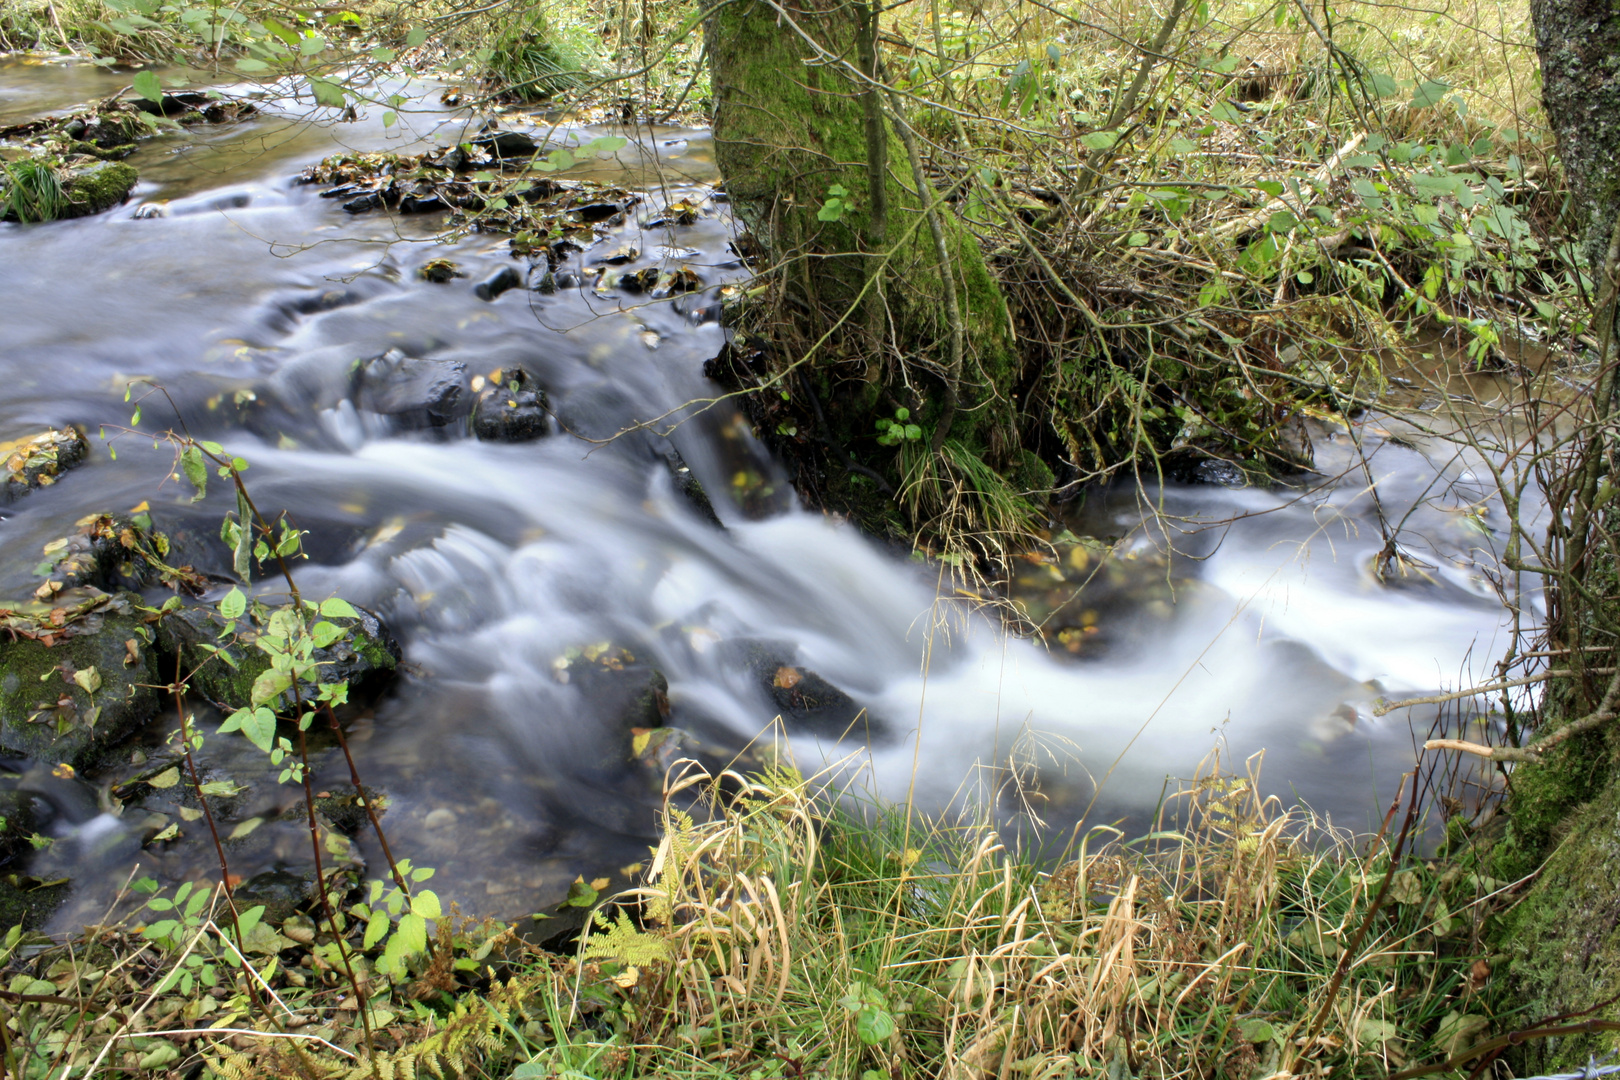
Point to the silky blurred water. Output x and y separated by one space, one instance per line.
252 297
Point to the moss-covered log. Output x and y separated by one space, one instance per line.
877 274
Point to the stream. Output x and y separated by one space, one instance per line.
532 585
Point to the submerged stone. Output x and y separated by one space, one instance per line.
511 408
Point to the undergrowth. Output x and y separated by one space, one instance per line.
778 935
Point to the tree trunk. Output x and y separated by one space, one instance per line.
879 285
1579 45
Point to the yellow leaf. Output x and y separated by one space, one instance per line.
63 771
628 977
167 778
639 737
599 884
788 677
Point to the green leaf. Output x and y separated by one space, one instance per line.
1256 1031
327 92
874 1025
412 933
147 85
607 144
1100 140
416 37
422 873
376 927
1429 93
389 119
312 45
425 902
580 894
324 633
233 604
269 686
334 607
249 66
1381 85
247 920
831 210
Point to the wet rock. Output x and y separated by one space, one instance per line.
804 699
77 674
591 213
343 806
624 691
18 820
172 104
416 391
687 483
366 660
28 901
503 145
511 408
507 277
99 187
371 200
283 893
38 460
439 271
112 553
1220 473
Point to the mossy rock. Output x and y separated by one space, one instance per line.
28 902
37 461
70 697
366 659
98 187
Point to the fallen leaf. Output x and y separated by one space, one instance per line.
788 677
63 771
167 778
89 679
132 652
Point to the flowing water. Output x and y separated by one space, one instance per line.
250 299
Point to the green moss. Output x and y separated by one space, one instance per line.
787 133
29 903
46 715
1564 936
364 659
97 188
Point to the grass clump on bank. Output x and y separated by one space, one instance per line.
777 938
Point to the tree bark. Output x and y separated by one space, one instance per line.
885 289
1578 42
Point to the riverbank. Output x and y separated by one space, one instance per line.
773 937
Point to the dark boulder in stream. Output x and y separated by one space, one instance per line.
416 392
77 675
511 407
804 700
